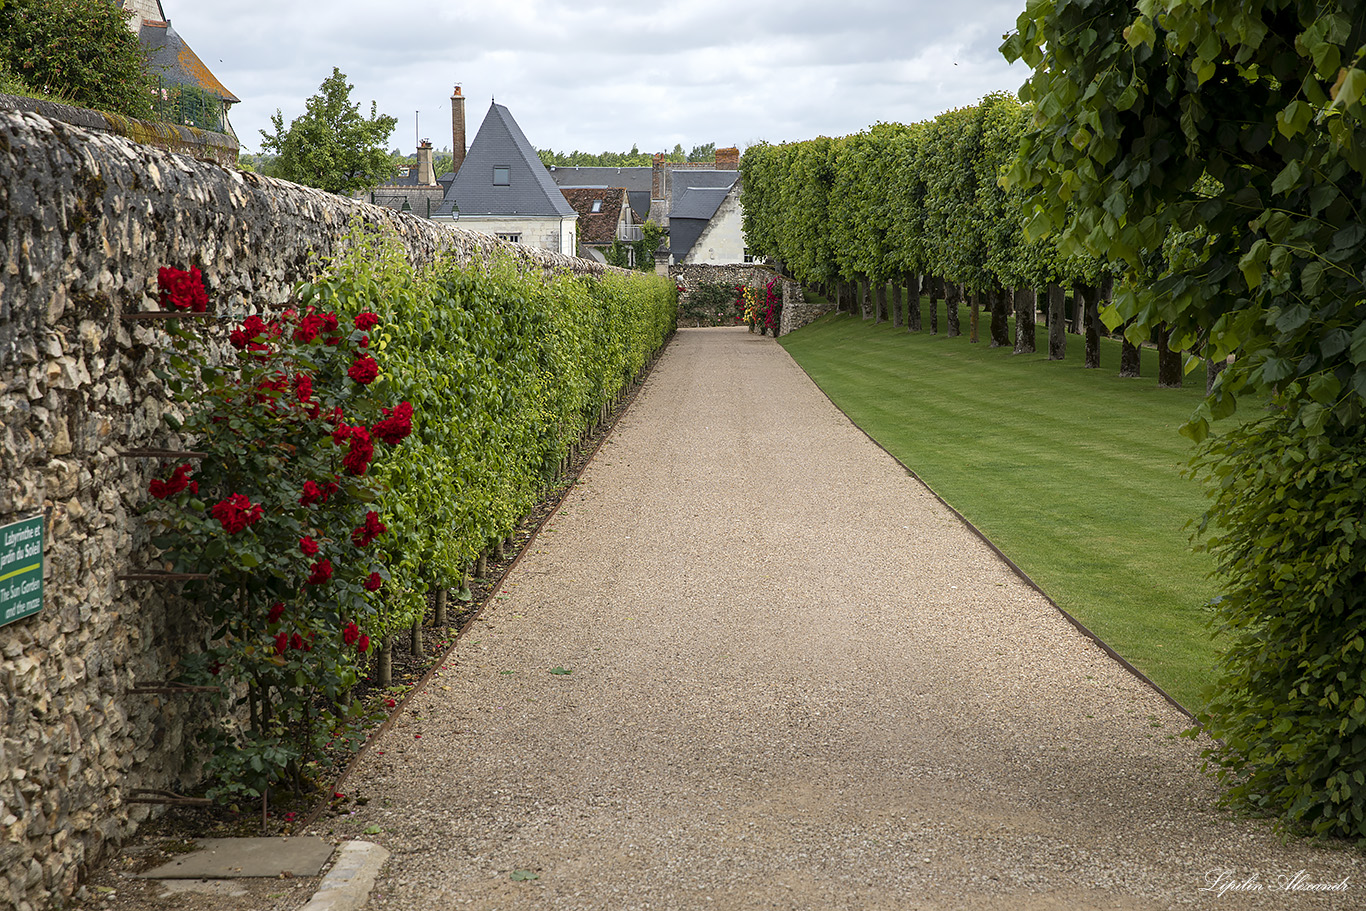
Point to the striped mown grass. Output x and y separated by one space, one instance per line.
1075 474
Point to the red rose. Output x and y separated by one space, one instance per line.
182 290
312 494
252 328
296 642
397 424
281 642
308 546
364 370
329 321
361 451
363 645
364 535
321 572
308 328
363 341
277 610
172 485
366 320
373 583
236 513
303 387
351 633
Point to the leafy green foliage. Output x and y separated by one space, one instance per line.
576 159
331 146
78 51
504 369
1215 150
1237 126
1290 707
708 304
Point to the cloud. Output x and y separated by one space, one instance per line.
605 75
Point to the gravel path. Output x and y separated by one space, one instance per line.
797 682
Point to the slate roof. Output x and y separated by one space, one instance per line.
632 178
698 202
640 204
696 197
169 55
689 178
596 227
500 143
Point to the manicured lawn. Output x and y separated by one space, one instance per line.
1075 474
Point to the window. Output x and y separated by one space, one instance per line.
748 257
513 238
501 177
597 205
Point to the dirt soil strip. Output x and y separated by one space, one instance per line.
752 663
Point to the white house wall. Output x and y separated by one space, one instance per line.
722 241
552 233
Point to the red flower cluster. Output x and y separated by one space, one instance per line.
252 327
364 535
316 494
182 290
351 633
303 387
366 320
321 572
308 546
309 327
397 424
284 641
236 513
364 370
173 485
360 451
374 583
363 645
277 610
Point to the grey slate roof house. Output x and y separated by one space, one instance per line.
636 181
190 94
697 200
412 189
503 189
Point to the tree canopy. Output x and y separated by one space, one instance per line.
77 51
331 146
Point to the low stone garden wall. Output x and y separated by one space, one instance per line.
796 311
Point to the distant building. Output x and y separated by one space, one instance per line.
605 217
189 93
501 188
412 189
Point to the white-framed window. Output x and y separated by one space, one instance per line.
597 206
748 256
508 236
502 176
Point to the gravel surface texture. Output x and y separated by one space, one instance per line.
795 681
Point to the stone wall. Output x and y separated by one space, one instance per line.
796 311
86 219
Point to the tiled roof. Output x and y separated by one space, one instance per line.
529 191
169 55
596 227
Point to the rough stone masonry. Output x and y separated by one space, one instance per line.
86 219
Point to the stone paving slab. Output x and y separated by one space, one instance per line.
239 858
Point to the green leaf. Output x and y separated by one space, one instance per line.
1140 32
1351 86
523 876
372 830
559 671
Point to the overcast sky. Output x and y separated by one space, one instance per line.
602 75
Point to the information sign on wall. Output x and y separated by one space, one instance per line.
21 569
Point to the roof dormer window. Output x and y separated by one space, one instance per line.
597 205
502 177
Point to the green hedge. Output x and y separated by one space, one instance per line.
505 369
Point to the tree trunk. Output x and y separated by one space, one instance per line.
385 670
863 298
896 303
1092 326
976 316
952 328
936 286
1026 300
879 301
1057 323
1130 358
1168 361
415 639
439 605
1212 370
998 299
1077 316
913 303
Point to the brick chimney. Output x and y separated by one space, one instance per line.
457 130
425 174
728 159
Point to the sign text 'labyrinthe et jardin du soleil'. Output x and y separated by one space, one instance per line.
21 569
